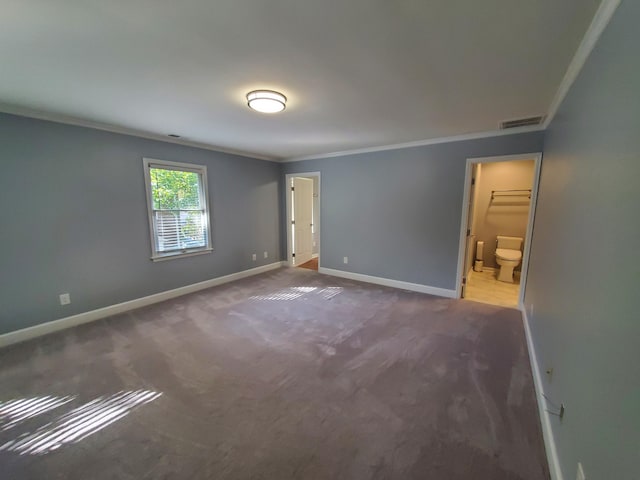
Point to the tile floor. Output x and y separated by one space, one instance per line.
484 287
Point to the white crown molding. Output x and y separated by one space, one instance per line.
80 122
387 282
93 315
600 21
418 143
545 420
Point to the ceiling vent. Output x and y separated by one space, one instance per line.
521 122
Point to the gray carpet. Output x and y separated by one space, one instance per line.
286 375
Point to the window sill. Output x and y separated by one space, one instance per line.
190 253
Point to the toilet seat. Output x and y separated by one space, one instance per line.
508 254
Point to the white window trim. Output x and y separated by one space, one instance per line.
204 199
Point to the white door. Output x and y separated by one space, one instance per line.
302 219
470 241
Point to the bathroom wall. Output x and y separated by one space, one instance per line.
502 215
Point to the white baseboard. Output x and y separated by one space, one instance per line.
415 287
545 419
86 317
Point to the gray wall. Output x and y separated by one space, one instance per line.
504 215
74 219
584 272
396 213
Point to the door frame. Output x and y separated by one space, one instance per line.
537 158
287 183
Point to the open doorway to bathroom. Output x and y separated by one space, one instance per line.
497 221
303 220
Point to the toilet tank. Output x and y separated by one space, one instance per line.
511 243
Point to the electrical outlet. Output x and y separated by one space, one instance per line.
266 254
65 299
580 475
254 257
346 260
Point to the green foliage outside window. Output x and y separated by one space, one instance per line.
175 190
177 194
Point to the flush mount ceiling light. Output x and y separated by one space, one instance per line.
266 101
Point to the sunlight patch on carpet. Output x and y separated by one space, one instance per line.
79 423
293 293
15 411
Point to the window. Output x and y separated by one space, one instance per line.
178 208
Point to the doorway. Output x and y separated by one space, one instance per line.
497 221
303 219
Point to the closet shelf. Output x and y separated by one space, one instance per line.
510 193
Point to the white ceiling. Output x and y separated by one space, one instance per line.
358 73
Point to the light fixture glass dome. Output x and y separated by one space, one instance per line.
266 101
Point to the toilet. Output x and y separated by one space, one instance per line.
508 256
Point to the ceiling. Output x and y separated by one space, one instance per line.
357 73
